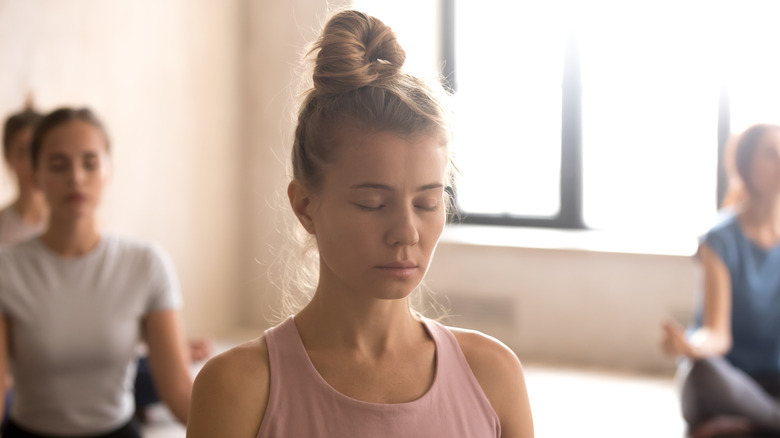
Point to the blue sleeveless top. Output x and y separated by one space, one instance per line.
755 294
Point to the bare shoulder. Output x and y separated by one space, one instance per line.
500 374
251 356
230 393
486 353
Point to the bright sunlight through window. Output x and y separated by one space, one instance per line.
651 74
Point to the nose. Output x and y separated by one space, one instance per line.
403 228
77 175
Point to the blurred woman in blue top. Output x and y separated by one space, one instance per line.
731 380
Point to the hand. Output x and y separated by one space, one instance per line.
200 349
674 341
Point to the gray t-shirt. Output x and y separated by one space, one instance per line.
74 324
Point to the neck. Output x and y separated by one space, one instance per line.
763 212
71 238
371 325
31 206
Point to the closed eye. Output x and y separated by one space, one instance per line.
367 207
425 207
58 165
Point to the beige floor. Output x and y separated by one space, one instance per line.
585 403
569 402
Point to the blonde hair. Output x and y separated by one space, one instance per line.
357 78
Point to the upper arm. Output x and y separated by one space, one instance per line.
231 393
717 292
500 374
169 360
4 355
164 335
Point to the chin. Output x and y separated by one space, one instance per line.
395 292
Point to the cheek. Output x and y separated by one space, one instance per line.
766 170
335 229
430 231
48 185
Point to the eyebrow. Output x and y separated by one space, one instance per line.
61 156
56 156
386 187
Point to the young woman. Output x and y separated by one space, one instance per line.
370 166
74 301
731 375
27 215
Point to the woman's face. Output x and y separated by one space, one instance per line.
73 169
765 175
380 212
19 156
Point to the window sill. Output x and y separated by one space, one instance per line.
681 245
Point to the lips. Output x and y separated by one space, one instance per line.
75 197
399 265
400 270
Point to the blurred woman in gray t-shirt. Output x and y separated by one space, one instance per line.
75 302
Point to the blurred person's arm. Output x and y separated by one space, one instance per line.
713 338
5 377
169 360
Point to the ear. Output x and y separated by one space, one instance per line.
301 201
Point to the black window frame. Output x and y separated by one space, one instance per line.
570 215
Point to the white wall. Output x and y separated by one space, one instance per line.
567 306
165 77
276 35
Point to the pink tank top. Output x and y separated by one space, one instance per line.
302 404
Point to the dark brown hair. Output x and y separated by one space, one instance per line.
16 123
746 150
59 117
738 161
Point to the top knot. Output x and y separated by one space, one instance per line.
29 102
356 50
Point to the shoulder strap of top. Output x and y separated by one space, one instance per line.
449 352
457 374
278 340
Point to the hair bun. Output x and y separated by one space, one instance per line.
29 102
355 50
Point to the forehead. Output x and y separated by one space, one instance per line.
384 157
73 137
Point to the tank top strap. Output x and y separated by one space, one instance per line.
457 376
288 362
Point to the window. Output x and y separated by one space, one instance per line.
508 110
628 98
598 114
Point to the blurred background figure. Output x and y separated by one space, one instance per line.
26 215
730 370
75 302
